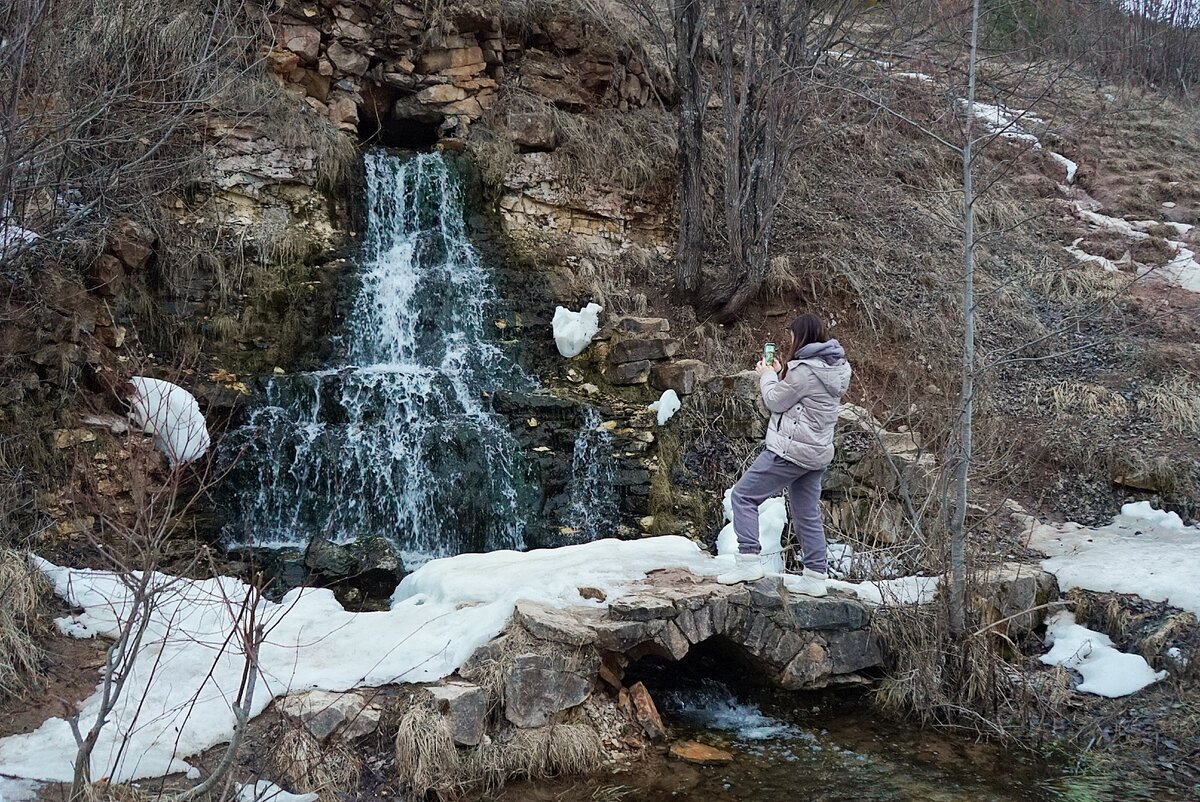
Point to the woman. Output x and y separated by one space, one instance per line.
802 395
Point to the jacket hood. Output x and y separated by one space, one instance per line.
828 363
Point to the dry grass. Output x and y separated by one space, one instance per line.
307 766
22 591
633 151
102 791
1070 396
1078 287
426 758
554 750
1174 404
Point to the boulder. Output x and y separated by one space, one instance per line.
324 713
684 376
628 373
700 754
347 60
132 243
639 349
552 624
538 686
533 130
466 706
303 40
105 274
369 564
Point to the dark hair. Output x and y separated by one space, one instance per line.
806 330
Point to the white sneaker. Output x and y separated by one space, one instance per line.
810 583
746 568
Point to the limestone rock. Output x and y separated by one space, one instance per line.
641 607
446 59
466 706
646 713
347 60
132 243
533 130
700 754
628 373
638 349
324 713
642 325
552 624
1011 589
826 612
303 40
684 376
441 93
853 651
538 686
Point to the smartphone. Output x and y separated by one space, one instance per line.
768 353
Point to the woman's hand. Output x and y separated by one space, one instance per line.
763 367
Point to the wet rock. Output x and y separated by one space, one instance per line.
369 564
700 754
466 707
538 686
684 376
807 669
645 712
324 713
636 350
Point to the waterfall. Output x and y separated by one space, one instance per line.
592 512
395 439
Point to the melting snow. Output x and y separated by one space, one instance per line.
1084 256
666 406
905 590
172 415
177 698
1067 164
1143 551
573 331
1105 670
1005 122
772 521
267 791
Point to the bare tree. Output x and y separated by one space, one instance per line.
688 23
766 49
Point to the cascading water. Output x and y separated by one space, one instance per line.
396 441
593 509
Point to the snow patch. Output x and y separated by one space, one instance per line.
1083 256
1004 122
666 406
1183 271
772 521
916 76
1105 670
172 415
13 789
267 791
188 670
1144 551
1070 166
899 592
573 331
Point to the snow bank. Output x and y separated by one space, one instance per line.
1105 670
1005 122
188 670
573 331
13 237
898 592
1084 256
172 415
666 406
1144 551
1183 271
772 521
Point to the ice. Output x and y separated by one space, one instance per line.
666 406
172 415
573 331
1183 270
772 521
178 696
1144 551
1105 670
267 791
1005 122
17 790
1067 164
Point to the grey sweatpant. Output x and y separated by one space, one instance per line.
769 474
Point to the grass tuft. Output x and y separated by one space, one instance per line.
22 590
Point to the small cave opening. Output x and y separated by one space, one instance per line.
400 133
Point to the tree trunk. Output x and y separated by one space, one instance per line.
689 250
962 466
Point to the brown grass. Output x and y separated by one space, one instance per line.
307 766
1173 403
23 589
